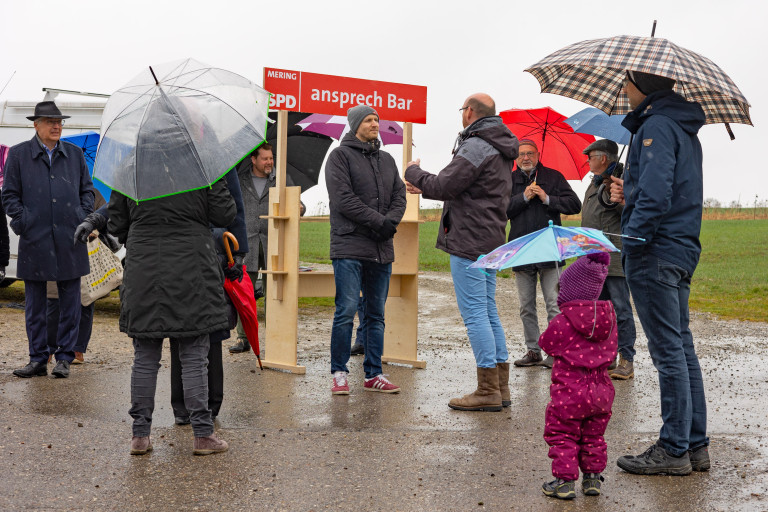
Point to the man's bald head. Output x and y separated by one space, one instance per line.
482 104
476 107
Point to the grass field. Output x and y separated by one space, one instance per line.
731 280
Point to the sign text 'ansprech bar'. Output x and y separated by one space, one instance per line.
299 91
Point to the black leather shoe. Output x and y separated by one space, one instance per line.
61 371
33 369
181 420
357 349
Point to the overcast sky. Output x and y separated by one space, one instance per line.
453 48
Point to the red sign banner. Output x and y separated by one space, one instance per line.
299 91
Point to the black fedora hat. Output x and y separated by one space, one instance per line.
47 109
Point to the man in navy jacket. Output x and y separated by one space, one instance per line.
47 192
663 187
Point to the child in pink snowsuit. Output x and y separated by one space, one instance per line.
583 341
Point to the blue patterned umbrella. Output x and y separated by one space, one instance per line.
553 243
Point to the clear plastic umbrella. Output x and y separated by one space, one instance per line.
178 127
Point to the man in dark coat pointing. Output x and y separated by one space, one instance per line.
47 192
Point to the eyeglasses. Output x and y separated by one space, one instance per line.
527 154
594 155
463 108
53 122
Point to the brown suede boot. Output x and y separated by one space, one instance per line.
486 397
209 445
506 398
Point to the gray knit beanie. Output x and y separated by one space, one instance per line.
356 114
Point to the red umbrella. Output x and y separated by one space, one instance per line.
241 293
560 147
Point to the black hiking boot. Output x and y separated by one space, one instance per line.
656 461
699 458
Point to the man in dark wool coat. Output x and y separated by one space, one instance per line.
47 192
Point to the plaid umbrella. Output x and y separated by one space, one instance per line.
593 72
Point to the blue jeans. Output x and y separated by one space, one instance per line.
360 333
616 290
661 291
352 276
476 296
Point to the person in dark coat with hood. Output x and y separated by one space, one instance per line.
602 157
663 187
367 202
539 195
47 192
172 288
475 188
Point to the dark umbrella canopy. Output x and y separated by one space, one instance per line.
306 151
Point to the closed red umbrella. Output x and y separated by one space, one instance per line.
241 294
560 148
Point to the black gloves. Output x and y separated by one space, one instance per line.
235 272
387 230
92 221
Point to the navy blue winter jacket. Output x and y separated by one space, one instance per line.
663 185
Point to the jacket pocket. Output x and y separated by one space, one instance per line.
17 223
344 226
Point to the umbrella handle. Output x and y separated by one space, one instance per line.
226 237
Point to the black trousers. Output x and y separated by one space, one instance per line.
215 377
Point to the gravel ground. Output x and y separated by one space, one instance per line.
295 447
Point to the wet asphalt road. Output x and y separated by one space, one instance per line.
64 446
294 446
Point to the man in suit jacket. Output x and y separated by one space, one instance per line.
255 181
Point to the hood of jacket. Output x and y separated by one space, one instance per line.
593 319
688 114
492 130
367 148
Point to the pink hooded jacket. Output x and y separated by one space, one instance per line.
583 335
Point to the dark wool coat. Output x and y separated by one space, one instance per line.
46 202
663 183
5 243
173 283
364 188
475 189
529 216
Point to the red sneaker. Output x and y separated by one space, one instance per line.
340 384
381 384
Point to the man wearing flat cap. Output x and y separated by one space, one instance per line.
664 191
367 202
603 158
539 194
47 192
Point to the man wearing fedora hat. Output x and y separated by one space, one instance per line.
47 192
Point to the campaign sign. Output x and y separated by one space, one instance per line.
299 91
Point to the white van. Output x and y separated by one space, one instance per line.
16 128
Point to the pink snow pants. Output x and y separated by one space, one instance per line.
576 419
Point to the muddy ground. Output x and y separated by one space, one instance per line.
64 443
